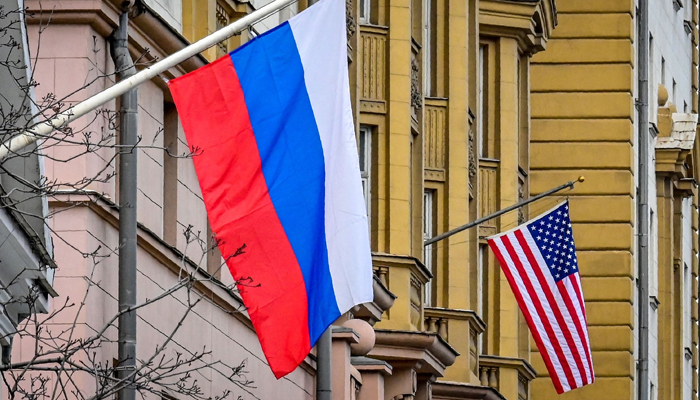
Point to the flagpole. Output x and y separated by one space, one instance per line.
43 129
569 185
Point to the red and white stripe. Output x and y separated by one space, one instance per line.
555 311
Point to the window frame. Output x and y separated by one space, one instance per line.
428 232
482 99
365 12
365 159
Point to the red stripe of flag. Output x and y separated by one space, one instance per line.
579 295
548 323
547 290
556 380
539 261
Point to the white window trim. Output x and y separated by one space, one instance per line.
482 102
365 149
365 16
427 48
428 204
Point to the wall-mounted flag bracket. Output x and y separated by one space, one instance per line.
568 185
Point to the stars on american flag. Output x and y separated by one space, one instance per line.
552 234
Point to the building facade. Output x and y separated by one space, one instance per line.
462 108
585 121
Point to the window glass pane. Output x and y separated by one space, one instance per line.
363 146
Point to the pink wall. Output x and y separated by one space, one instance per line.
61 68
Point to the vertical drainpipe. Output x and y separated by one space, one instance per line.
643 198
124 66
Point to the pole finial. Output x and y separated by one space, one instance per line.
581 178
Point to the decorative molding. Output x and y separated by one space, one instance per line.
488 188
435 128
373 74
437 175
416 95
521 197
425 352
688 25
523 367
149 34
350 25
677 5
529 22
522 387
383 300
654 302
472 157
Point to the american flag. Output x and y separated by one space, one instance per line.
539 261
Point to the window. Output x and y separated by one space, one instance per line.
366 165
170 139
365 11
428 210
653 91
429 47
222 20
673 92
481 123
663 71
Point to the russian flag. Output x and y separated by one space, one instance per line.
278 166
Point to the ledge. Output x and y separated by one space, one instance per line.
530 22
394 260
366 364
383 300
522 366
427 351
456 314
169 257
463 391
148 31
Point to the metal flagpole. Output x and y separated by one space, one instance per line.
515 206
42 129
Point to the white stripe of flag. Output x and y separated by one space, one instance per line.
539 261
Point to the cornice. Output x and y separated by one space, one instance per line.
402 261
170 257
530 22
519 364
382 301
456 314
459 390
427 351
148 32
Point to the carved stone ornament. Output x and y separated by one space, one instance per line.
521 197
472 158
416 96
349 20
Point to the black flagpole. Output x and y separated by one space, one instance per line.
569 185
